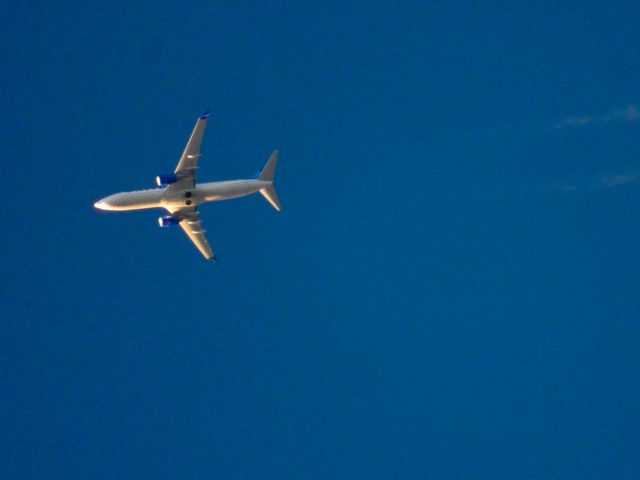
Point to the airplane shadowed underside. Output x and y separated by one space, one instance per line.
180 195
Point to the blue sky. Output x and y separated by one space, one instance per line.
450 291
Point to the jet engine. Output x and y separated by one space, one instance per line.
166 179
168 221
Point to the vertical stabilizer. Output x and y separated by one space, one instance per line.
269 170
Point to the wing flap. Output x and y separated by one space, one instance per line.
188 163
189 158
196 235
192 226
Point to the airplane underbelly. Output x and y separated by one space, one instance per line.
132 200
227 190
212 197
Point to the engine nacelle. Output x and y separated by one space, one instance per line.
168 221
166 179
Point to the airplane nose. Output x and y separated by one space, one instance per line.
101 205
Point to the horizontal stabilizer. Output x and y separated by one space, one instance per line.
272 197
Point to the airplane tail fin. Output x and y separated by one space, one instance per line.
267 175
269 170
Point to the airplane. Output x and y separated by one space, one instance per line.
180 195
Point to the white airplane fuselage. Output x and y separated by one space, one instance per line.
201 193
180 194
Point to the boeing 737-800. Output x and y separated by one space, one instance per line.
180 195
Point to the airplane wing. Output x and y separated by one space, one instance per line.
188 163
192 226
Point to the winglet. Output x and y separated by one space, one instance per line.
205 115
